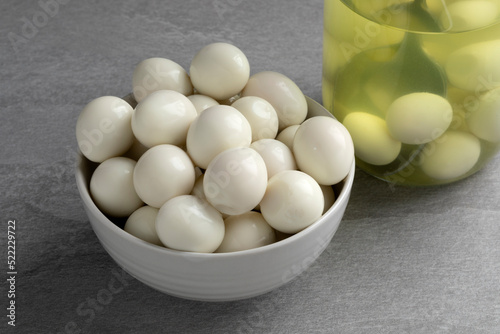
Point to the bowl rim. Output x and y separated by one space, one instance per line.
83 189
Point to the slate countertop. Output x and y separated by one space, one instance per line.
404 260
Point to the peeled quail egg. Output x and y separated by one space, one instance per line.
451 155
418 118
216 129
484 122
219 70
235 180
468 15
372 141
323 148
198 187
163 172
202 102
287 134
112 187
283 94
276 155
260 114
475 67
141 224
189 223
246 231
154 74
103 128
293 201
329 197
163 117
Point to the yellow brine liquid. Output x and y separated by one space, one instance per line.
416 83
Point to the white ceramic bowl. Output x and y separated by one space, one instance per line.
218 276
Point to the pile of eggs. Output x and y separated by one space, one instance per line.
215 160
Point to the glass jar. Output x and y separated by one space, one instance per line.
416 83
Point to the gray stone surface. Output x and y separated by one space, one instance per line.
404 260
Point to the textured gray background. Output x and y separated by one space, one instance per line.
404 260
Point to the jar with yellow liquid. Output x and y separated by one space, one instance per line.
416 83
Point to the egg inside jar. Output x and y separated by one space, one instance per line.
215 160
416 84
